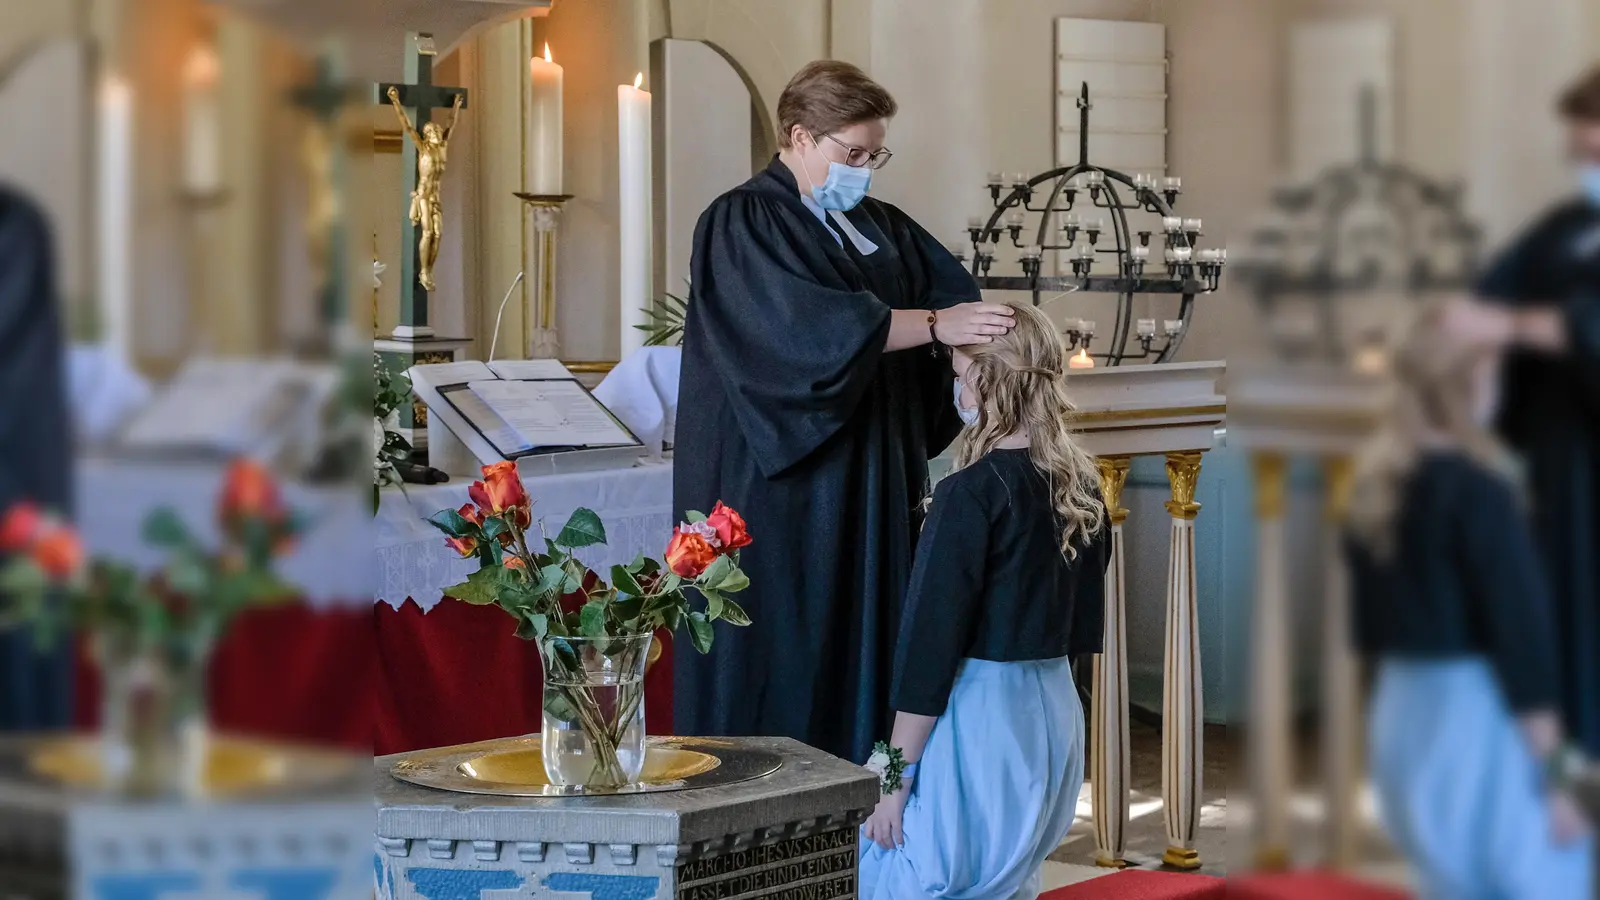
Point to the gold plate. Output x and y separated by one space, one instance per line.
235 767
514 767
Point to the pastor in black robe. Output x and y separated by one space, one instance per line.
35 442
791 412
1550 414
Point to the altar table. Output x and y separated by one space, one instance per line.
392 675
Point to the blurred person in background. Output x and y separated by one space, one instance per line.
35 441
1470 767
1541 302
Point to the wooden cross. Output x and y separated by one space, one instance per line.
325 99
420 97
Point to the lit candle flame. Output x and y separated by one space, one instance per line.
1081 360
547 52
638 80
201 69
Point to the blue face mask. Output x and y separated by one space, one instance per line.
1589 180
843 188
968 414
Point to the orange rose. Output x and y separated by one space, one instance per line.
20 527
515 562
689 554
249 492
471 514
501 492
465 546
730 528
58 552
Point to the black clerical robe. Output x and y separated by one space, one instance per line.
1550 414
791 412
35 441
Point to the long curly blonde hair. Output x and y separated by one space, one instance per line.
1435 401
1021 378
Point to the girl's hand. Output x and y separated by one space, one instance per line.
884 826
973 323
1568 823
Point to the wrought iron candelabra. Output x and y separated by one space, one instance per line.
1112 260
1360 229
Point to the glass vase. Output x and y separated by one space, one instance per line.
153 725
593 733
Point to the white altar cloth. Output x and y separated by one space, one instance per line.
635 504
331 562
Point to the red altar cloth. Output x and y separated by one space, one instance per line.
382 679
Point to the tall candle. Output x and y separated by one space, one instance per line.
543 175
202 160
115 215
634 190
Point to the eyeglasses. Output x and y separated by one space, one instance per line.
856 157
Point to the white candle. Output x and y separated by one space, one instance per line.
202 160
115 216
543 175
1174 183
1171 223
996 179
1147 327
1031 251
1141 252
634 191
1088 326
1086 252
1015 218
1019 180
1191 224
1208 256
1181 254
1080 360
1173 326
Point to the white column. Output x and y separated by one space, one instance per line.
1270 737
1110 778
114 217
1181 705
1341 680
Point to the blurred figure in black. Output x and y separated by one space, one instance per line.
1541 301
35 441
1473 777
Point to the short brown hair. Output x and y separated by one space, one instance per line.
828 95
1581 102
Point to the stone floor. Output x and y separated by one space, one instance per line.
1221 838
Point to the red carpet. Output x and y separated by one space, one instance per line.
1308 886
1141 884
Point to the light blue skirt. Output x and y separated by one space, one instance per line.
995 792
1459 790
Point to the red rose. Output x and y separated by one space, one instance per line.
689 554
249 492
58 552
465 546
515 562
470 513
729 526
501 492
20 527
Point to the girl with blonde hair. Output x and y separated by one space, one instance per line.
982 773
1472 775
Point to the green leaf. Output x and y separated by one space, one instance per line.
672 617
627 611
700 632
533 626
472 592
583 529
452 523
734 614
716 574
494 527
714 604
592 619
623 581
694 516
493 585
735 581
163 528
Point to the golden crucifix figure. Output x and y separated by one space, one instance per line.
433 148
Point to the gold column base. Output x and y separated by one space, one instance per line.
1180 858
1272 859
1106 862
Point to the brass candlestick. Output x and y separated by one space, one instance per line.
541 338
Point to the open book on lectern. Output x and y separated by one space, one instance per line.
511 409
